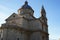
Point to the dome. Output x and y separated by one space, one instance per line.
26 6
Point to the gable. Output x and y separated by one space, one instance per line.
13 16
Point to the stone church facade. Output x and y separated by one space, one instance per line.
24 26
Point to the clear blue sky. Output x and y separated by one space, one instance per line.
52 7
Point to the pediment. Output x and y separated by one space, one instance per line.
13 16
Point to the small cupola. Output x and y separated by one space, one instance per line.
42 9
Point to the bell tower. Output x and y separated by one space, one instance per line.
43 15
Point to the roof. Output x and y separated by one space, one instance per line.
26 6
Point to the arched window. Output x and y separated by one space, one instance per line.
43 38
0 35
17 38
42 27
1 38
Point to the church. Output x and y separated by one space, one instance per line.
24 26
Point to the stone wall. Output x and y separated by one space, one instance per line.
36 36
